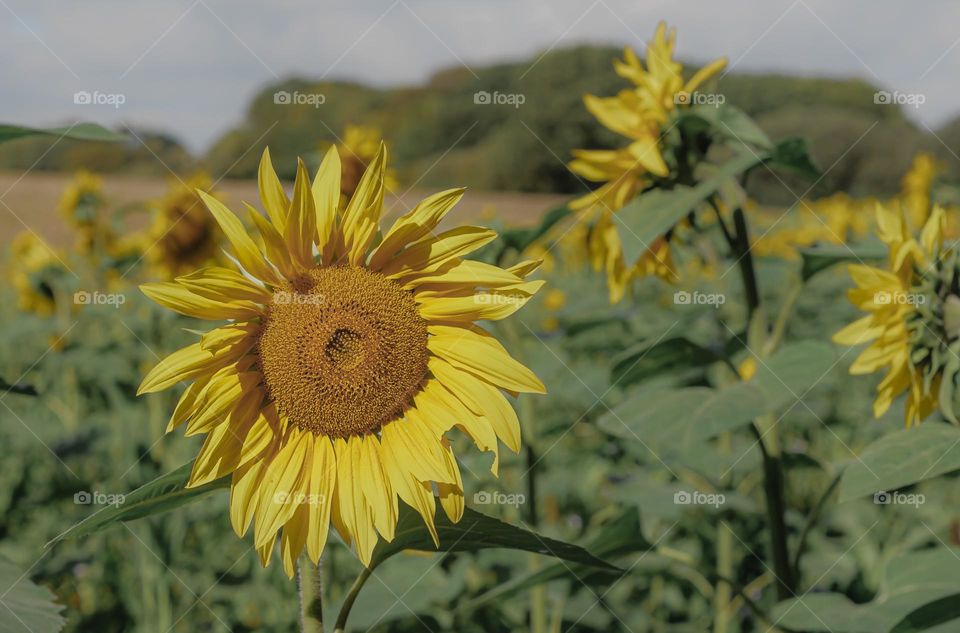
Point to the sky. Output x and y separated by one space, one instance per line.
190 67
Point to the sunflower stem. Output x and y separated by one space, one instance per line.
341 625
310 589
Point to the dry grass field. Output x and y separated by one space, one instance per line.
30 201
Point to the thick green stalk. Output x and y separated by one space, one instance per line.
310 588
341 624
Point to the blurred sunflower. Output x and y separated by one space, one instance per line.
903 300
640 114
183 236
347 360
835 219
357 149
34 272
81 205
916 187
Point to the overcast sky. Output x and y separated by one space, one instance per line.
191 66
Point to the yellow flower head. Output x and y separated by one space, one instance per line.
346 360
897 326
183 236
81 205
640 114
33 271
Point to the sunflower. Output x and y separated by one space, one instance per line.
917 185
640 114
897 327
34 272
183 235
345 361
81 206
358 147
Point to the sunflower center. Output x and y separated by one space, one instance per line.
342 350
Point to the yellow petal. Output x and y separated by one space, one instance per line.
283 484
451 495
177 298
466 273
323 479
376 486
478 352
484 305
415 225
361 218
430 255
411 443
220 453
415 493
222 395
354 511
273 242
248 255
187 405
272 195
301 226
188 363
245 483
294 538
224 285
326 199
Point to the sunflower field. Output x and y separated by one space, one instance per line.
664 405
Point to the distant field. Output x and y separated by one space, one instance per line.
30 201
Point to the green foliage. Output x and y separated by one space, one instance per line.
26 607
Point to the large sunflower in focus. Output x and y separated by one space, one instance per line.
183 235
345 361
640 114
902 336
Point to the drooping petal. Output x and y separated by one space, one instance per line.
478 352
283 484
323 477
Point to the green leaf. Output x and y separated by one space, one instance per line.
912 579
793 155
17 389
651 214
823 256
79 131
476 531
940 611
163 494
619 537
697 413
24 606
902 458
731 123
645 359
